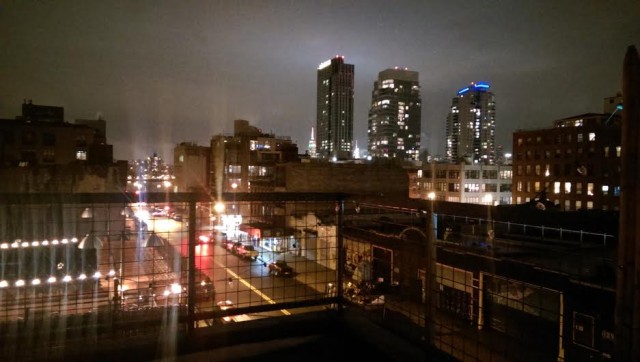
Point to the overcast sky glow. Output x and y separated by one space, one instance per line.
164 72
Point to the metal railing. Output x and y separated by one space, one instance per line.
89 273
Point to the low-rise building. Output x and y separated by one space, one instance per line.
575 164
475 184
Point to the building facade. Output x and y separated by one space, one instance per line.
470 128
40 136
475 184
575 164
351 178
334 117
248 159
41 152
395 115
191 167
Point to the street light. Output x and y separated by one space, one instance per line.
234 186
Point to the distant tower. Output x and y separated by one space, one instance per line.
334 129
395 115
356 151
471 125
312 145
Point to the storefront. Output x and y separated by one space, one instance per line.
278 240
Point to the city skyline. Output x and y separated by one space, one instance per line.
162 73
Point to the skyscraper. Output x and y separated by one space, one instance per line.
395 114
471 125
335 109
312 145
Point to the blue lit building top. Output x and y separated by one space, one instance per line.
475 86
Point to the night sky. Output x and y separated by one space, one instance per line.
164 72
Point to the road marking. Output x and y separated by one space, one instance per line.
248 285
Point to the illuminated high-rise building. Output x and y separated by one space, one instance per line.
470 130
334 131
395 115
312 145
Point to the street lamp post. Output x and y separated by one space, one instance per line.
428 217
234 186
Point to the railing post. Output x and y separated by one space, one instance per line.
191 289
341 251
580 237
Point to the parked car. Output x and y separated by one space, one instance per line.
232 246
280 268
205 290
247 251
225 242
212 238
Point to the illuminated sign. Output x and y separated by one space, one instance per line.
324 64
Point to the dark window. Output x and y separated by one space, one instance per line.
28 138
48 139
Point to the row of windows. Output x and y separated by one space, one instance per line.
468 187
567 169
568 188
607 151
28 158
30 138
468 174
559 139
569 204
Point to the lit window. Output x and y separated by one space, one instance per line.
618 151
537 186
567 187
605 189
578 188
578 205
81 155
590 189
579 137
592 136
606 151
589 205
556 187
567 205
